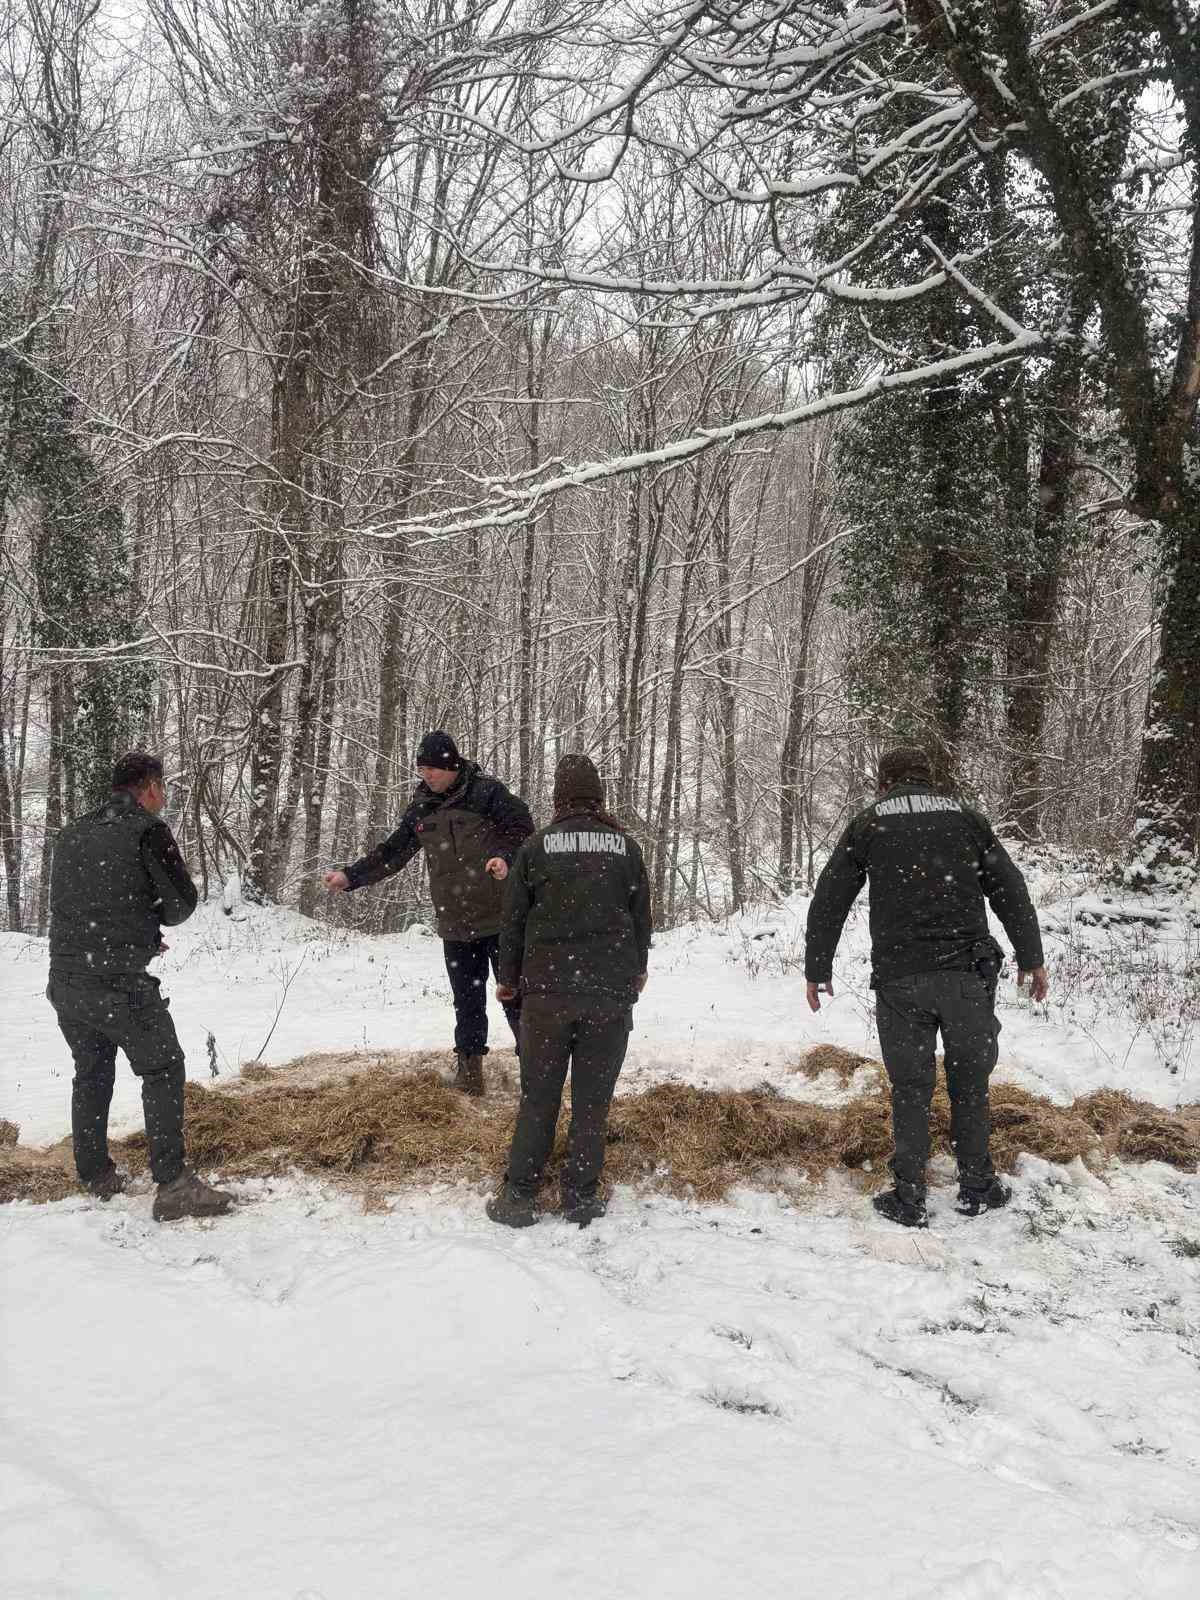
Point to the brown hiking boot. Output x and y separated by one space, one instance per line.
189 1196
105 1185
469 1077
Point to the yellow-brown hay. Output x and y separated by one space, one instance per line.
832 1058
37 1175
389 1124
1160 1138
397 1121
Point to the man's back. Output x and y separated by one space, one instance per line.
578 911
930 862
115 877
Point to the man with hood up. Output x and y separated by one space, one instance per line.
574 947
934 966
470 828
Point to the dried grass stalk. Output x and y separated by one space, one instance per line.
397 1121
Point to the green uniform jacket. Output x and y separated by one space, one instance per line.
578 912
459 832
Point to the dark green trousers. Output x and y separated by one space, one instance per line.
98 1017
590 1037
910 1013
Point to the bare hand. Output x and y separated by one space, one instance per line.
163 947
505 992
815 991
498 868
336 882
640 981
1039 983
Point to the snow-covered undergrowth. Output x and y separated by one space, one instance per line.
774 1397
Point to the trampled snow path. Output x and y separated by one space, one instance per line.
305 1403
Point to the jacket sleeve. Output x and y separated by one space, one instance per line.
168 873
642 912
517 902
837 888
388 858
510 817
1008 897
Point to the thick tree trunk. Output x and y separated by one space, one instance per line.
945 582
266 733
1168 786
9 850
54 809
1033 588
727 710
316 783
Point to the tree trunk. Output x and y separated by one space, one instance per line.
1168 785
727 708
1033 588
54 813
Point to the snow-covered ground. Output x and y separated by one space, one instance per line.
774 1397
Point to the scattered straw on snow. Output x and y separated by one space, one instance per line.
832 1058
384 1119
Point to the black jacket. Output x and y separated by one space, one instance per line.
459 831
930 862
117 877
578 912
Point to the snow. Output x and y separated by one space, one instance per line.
757 1399
771 1397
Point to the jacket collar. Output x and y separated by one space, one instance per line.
454 792
121 803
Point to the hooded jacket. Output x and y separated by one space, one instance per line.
459 831
930 862
578 912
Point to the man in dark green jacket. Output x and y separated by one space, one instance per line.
575 945
117 878
470 828
930 862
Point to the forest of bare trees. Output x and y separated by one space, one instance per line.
725 390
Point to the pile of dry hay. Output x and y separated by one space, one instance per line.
398 1121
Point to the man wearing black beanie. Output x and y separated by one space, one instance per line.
470 828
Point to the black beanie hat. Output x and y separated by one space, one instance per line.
905 765
438 749
577 781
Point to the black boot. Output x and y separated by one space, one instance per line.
510 1209
469 1076
909 1213
974 1198
106 1184
583 1212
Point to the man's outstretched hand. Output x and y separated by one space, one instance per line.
505 992
815 991
1039 983
336 882
498 868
